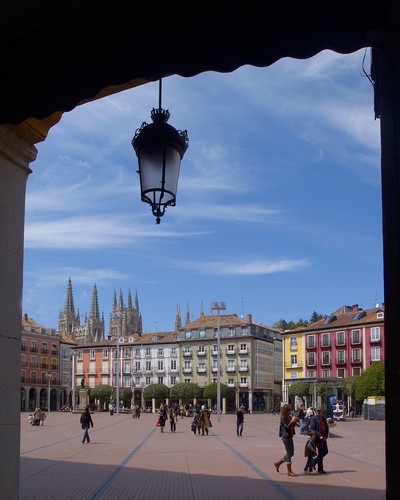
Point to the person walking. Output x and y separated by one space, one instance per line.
286 433
310 451
240 420
196 422
205 420
172 419
162 413
86 422
319 425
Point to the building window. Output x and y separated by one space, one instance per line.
187 380
326 340
340 339
326 373
356 355
375 354
126 352
105 353
326 358
33 346
231 365
137 352
215 348
137 381
310 341
126 381
243 381
293 360
173 351
202 333
160 380
311 373
148 380
356 371
230 349
23 345
188 334
311 358
173 380
148 366
148 351
294 374
243 364
44 348
293 343
92 354
341 373
201 368
231 331
243 348
137 366
375 334
356 337
244 330
173 364
340 357
160 352
127 367
160 365
379 314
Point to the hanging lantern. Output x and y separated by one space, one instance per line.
160 149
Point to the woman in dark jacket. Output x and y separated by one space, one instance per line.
286 433
86 422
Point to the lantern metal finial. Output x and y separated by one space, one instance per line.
160 149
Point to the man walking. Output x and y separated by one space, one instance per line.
319 425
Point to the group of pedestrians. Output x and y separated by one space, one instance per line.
316 447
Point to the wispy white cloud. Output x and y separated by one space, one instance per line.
252 267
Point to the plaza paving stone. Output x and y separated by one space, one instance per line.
131 459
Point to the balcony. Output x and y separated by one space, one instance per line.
325 345
187 354
54 352
215 352
243 384
340 361
231 352
355 361
243 369
244 351
43 351
23 347
187 370
201 353
231 384
231 369
214 369
201 369
298 364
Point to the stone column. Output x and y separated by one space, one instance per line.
15 156
251 401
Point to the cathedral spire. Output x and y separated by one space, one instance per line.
94 307
187 320
136 302
121 299
69 298
178 320
129 299
115 300
201 309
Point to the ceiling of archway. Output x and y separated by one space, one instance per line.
56 55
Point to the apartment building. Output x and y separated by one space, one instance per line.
340 345
248 357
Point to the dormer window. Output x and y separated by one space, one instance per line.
380 315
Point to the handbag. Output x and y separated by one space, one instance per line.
158 423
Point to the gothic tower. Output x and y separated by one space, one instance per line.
68 321
125 320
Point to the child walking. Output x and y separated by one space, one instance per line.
310 451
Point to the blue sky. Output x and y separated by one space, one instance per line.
278 207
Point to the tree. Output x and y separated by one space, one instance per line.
371 382
315 317
103 393
185 392
281 325
302 389
126 396
159 392
349 386
210 392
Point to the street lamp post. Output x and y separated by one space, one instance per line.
73 380
49 376
119 317
218 306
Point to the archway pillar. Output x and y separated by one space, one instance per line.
15 157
